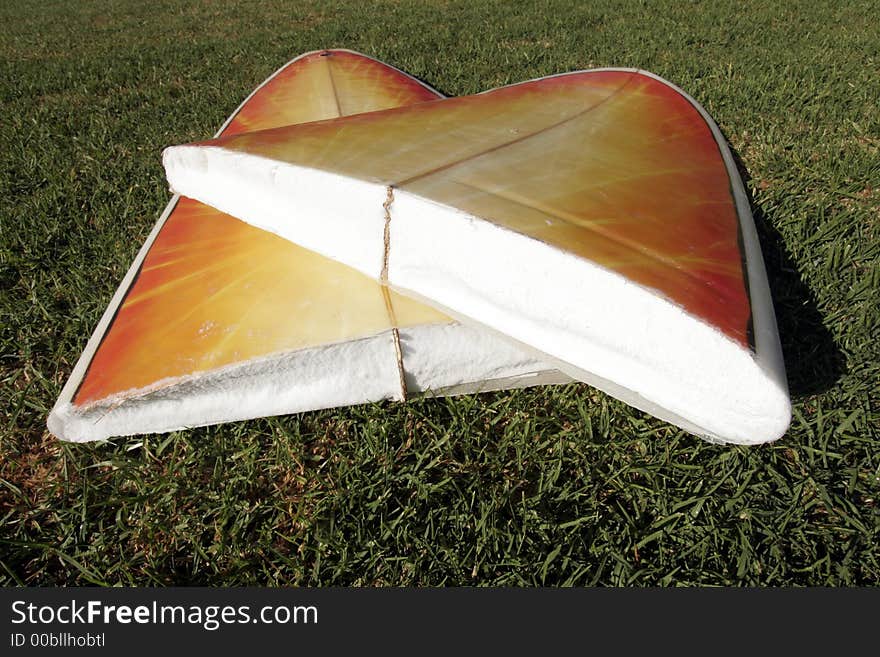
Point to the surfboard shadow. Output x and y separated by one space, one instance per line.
813 361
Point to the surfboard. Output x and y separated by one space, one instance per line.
594 217
218 321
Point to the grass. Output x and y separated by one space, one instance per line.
553 486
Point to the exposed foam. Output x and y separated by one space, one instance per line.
440 359
352 372
453 358
338 217
599 326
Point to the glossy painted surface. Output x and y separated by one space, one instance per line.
613 166
213 291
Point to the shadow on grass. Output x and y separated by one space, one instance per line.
813 362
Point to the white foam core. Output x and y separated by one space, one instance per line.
446 358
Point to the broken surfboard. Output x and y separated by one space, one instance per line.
595 217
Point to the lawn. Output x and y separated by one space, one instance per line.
555 485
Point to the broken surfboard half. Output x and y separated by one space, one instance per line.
595 218
218 321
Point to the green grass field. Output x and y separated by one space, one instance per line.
553 486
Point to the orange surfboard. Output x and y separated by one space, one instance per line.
595 217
